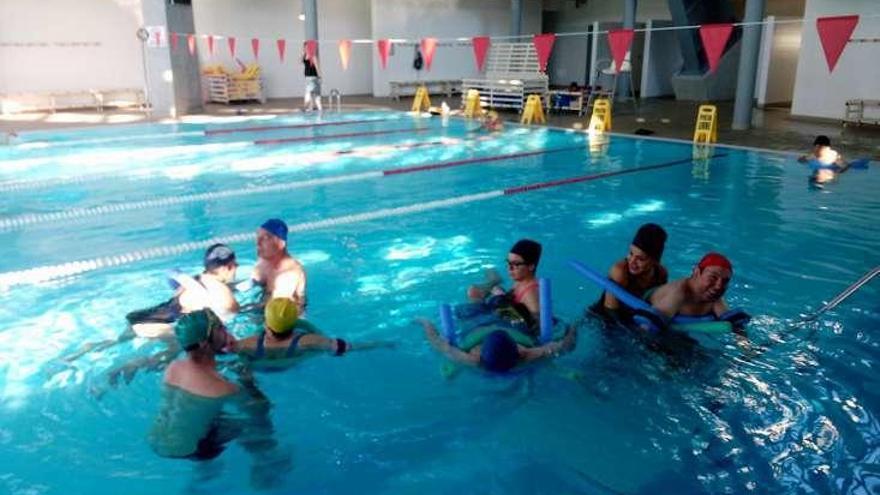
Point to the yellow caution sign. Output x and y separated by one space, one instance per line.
601 118
421 100
534 111
473 108
706 130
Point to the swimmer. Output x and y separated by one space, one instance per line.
492 122
286 335
209 289
499 352
191 423
277 272
700 294
639 272
522 263
825 162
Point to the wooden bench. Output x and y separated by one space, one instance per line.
446 87
63 100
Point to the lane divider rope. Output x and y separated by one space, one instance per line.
53 272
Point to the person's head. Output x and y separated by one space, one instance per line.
281 315
272 239
573 86
498 352
646 249
523 258
201 333
821 141
220 262
710 277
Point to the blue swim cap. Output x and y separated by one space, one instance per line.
276 227
498 352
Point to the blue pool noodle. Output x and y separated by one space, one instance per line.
546 305
447 323
860 164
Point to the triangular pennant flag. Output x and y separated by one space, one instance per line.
191 43
174 42
544 46
344 53
619 41
282 46
384 46
210 40
481 46
311 49
714 38
255 47
834 33
230 41
429 45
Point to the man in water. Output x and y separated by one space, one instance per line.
698 295
279 273
191 423
639 272
825 162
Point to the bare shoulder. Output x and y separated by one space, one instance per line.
618 272
291 264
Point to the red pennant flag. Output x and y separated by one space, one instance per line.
157 36
384 47
311 49
344 53
210 40
429 45
714 38
282 45
174 42
191 43
481 46
619 40
544 46
255 47
834 33
230 41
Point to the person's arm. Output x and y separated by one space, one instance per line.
450 351
246 346
668 299
617 275
551 349
317 67
157 361
292 283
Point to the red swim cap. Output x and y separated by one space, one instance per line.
715 259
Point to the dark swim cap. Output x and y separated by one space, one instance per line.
498 352
276 227
822 141
529 250
218 255
651 238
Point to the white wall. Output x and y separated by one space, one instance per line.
578 18
270 20
780 49
412 19
114 63
857 75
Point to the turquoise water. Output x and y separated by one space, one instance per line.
798 413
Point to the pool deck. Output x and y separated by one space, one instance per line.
774 128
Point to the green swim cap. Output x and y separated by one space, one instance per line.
194 328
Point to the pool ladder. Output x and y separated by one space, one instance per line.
858 284
334 93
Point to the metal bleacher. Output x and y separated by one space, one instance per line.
512 74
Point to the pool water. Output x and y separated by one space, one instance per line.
92 219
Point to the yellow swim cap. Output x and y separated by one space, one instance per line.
281 314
